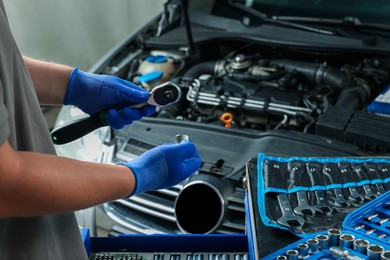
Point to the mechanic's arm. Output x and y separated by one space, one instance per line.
35 184
50 80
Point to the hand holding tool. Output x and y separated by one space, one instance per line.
164 166
160 96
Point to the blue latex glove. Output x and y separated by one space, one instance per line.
93 93
164 166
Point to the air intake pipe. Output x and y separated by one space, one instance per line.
316 73
201 204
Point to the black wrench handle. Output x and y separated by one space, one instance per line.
78 128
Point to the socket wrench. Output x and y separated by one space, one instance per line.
160 96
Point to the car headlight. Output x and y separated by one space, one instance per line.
87 148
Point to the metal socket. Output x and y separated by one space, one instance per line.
360 245
303 250
346 240
178 138
334 236
374 251
323 241
313 245
385 255
292 254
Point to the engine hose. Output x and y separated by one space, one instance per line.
316 73
174 110
256 78
207 67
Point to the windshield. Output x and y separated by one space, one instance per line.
372 11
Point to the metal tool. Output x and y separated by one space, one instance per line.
339 252
178 138
334 236
355 195
370 231
288 218
323 241
321 203
329 170
371 169
374 251
292 254
313 245
360 245
381 221
345 169
303 250
360 227
371 217
340 200
346 240
385 255
369 193
160 96
303 205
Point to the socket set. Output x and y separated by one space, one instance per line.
169 256
167 247
289 198
365 234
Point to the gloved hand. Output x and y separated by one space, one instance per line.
164 166
93 93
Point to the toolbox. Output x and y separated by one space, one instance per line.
167 246
296 205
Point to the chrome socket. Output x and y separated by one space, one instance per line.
313 245
346 240
178 138
292 254
303 250
385 255
374 252
334 236
323 241
360 245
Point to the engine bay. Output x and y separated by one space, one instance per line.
252 87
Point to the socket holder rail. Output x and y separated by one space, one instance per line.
365 234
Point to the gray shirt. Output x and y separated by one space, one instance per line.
23 125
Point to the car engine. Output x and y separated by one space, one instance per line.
246 91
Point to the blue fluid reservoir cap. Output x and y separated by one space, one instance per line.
157 59
150 77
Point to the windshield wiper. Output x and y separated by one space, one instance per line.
349 21
264 18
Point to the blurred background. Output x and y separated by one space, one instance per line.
75 32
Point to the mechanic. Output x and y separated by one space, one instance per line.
38 190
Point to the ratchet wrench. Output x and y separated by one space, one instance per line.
160 96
